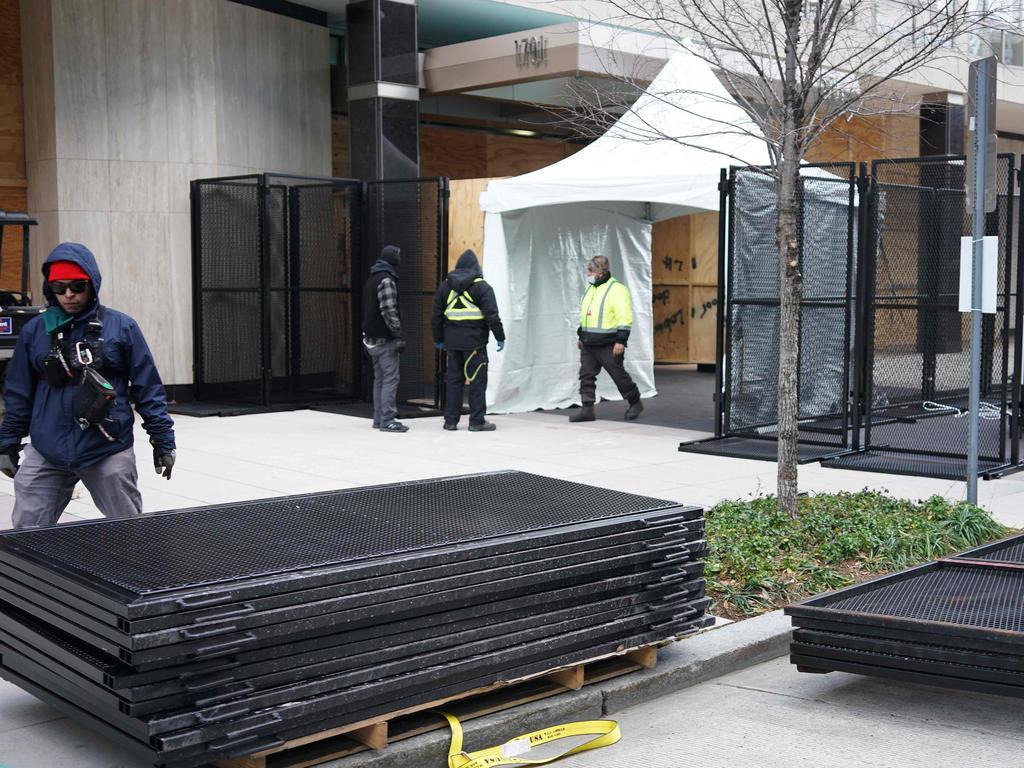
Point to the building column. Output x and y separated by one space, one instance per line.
383 89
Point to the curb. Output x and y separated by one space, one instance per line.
710 654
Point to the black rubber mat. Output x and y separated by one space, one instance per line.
1012 662
954 670
1009 550
915 465
175 646
192 756
257 692
905 675
196 646
759 450
956 622
410 696
339 719
206 409
117 563
366 657
330 600
73 652
469 570
261 713
921 636
956 598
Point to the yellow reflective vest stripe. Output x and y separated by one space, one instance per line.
606 308
460 306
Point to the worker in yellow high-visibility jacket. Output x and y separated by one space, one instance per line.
464 316
606 318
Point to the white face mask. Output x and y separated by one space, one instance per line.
591 278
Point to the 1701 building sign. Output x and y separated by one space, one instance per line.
531 51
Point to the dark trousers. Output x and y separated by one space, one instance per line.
592 360
463 364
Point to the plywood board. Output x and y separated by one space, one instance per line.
872 137
451 152
12 110
512 155
465 219
704 249
12 199
671 323
703 324
670 251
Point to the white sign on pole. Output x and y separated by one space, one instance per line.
990 260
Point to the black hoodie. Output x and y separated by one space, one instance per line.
466 334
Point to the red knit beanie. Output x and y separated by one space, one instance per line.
66 270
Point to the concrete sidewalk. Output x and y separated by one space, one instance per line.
765 718
249 457
771 715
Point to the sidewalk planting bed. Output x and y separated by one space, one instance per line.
762 559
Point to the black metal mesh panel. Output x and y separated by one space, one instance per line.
232 361
413 216
1011 551
228 220
274 266
226 273
918 360
974 597
248 539
828 244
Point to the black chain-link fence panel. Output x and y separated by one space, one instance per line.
273 260
413 215
918 353
828 246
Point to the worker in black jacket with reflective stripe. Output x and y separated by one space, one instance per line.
465 314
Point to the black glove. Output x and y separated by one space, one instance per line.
399 344
9 459
163 460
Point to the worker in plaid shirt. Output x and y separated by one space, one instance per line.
382 337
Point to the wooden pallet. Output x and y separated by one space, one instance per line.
405 723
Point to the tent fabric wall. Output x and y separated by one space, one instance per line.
541 227
539 260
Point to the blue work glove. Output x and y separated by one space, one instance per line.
439 345
501 345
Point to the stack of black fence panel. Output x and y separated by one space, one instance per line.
222 631
957 622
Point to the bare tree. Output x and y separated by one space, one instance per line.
796 67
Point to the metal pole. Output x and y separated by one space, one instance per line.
981 130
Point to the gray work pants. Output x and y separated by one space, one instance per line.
385 359
43 490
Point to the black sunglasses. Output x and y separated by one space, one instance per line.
60 287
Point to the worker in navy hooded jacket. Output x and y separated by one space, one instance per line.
77 431
465 313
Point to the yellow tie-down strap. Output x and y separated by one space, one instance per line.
603 733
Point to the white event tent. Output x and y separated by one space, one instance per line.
541 228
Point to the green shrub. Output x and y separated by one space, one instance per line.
761 559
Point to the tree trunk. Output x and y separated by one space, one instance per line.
790 288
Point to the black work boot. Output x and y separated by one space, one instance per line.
585 413
634 410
